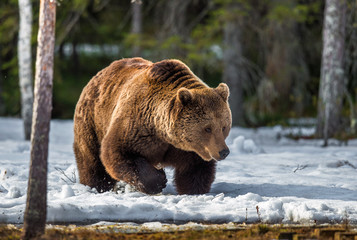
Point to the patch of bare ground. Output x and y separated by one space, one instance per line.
189 231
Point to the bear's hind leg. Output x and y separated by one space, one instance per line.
91 170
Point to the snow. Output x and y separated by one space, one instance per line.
290 182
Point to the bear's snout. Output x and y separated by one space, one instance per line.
224 153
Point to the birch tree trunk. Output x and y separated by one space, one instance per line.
136 25
234 72
36 204
332 70
25 64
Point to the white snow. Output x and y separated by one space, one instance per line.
66 192
290 181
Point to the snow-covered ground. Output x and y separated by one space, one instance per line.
290 181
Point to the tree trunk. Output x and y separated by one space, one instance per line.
136 27
173 27
35 213
332 70
25 64
234 72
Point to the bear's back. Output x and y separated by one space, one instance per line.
171 75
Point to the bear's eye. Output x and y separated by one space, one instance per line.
223 129
208 130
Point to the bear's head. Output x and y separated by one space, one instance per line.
202 121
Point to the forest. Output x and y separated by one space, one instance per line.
291 70
271 49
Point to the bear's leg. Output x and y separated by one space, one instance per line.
134 170
137 172
196 178
152 180
91 170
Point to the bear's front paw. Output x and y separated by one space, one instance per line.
151 180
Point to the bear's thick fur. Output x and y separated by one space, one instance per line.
136 117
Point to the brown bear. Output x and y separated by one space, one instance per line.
136 117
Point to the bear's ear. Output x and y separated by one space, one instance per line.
223 91
184 95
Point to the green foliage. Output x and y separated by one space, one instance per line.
11 91
8 57
287 11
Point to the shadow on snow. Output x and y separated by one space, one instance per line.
276 190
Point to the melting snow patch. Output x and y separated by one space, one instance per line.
153 225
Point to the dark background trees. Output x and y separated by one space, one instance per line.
276 47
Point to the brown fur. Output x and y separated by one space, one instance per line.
135 115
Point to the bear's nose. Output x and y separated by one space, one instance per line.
224 153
